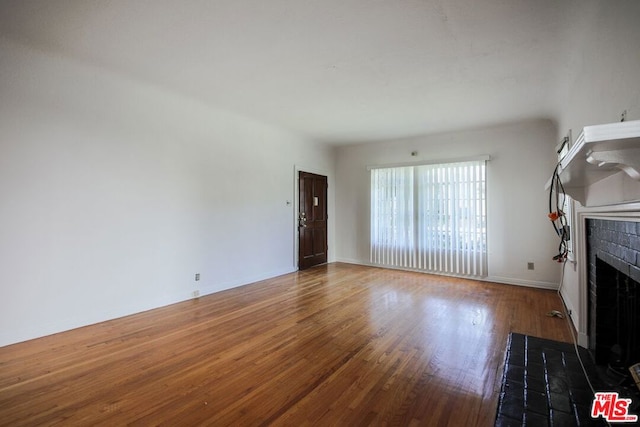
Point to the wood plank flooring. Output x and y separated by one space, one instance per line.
334 345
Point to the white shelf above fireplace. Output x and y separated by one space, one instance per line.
600 151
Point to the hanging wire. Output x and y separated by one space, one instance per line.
557 201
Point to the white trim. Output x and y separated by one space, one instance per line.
522 282
490 279
356 262
614 209
25 332
248 280
583 340
412 270
484 157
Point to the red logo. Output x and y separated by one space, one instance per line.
613 409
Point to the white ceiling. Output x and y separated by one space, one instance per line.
339 71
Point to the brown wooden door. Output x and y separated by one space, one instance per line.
312 220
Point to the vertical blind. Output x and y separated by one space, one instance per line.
430 217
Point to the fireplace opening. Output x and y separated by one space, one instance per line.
615 338
613 251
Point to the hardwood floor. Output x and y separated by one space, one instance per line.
334 345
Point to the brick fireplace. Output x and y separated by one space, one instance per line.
613 253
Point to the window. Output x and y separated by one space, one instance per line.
430 217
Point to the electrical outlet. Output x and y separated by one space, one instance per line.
530 266
195 294
197 276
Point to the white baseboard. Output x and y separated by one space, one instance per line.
495 279
218 287
26 332
522 282
22 333
583 340
355 261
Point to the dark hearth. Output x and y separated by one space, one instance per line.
544 385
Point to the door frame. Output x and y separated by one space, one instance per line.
296 203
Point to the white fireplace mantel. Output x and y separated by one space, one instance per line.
599 152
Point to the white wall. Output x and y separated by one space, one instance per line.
115 193
602 80
518 229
